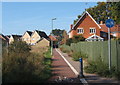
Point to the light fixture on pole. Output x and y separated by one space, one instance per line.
51 37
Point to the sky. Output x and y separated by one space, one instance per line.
18 17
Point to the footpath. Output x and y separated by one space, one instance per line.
90 78
61 70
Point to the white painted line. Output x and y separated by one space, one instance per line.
84 81
73 69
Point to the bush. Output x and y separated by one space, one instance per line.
75 39
69 41
22 66
19 47
91 68
65 48
76 55
102 69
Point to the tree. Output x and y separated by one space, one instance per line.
103 10
65 37
57 32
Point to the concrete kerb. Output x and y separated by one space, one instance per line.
72 68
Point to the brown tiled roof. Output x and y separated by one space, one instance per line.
104 28
53 38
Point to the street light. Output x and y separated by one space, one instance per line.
51 37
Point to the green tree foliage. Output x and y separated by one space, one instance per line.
78 38
57 32
75 39
69 41
103 10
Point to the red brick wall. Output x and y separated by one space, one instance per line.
86 24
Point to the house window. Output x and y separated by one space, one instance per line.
33 39
114 34
92 30
80 30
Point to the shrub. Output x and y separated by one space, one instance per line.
69 41
102 69
91 68
77 55
19 47
22 66
117 75
65 48
78 38
75 39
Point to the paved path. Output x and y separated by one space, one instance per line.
60 68
90 78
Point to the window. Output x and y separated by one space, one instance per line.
80 30
33 39
92 30
114 34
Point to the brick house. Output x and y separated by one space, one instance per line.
27 37
53 38
37 35
4 39
115 31
14 38
89 28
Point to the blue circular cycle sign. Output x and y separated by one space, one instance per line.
109 23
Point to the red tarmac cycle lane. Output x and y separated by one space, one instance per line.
60 67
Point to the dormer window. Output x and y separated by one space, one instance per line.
80 30
92 30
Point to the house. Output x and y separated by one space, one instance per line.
114 31
43 42
3 39
89 28
14 38
27 37
53 38
37 35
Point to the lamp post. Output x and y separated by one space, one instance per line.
51 37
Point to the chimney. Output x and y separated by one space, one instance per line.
71 26
101 22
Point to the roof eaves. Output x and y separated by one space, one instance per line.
82 17
78 20
93 19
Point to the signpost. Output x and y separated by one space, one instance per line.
109 23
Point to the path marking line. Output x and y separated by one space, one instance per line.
84 81
72 68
